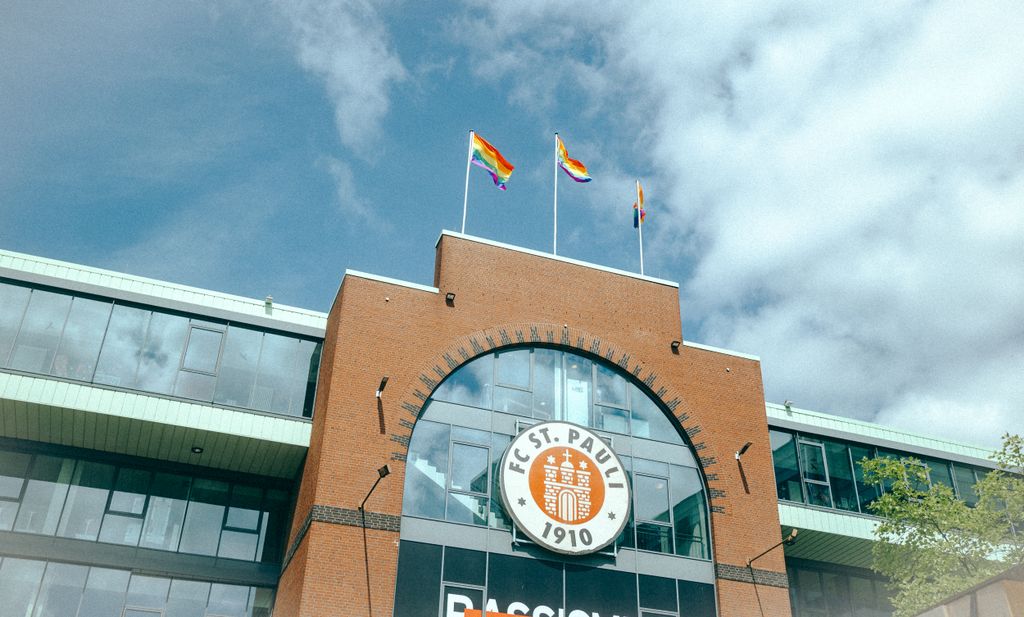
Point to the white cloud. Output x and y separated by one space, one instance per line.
848 180
346 44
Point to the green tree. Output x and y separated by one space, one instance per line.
932 545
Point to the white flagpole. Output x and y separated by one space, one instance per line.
640 226
554 247
465 195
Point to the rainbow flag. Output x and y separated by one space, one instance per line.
576 170
487 156
639 213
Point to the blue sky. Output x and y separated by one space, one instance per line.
837 189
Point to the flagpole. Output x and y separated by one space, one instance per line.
465 195
554 246
640 226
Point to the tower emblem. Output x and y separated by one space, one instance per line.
564 488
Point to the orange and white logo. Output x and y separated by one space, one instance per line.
565 488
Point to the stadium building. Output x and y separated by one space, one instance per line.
529 434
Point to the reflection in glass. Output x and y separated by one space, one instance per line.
19 584
840 474
44 495
648 420
964 484
578 381
238 367
14 299
513 368
277 365
814 462
470 385
40 332
123 522
865 492
467 509
228 600
651 498
13 469
689 515
148 591
166 512
104 592
611 387
425 478
547 383
83 334
119 356
86 501
274 526
202 350
61 591
787 471
204 517
187 599
469 468
161 354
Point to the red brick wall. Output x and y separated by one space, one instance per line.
504 297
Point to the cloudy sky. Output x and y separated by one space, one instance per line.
838 188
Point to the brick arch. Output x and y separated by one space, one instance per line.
470 346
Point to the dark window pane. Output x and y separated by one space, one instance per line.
579 376
787 472
228 600
40 332
464 566
274 388
244 509
866 492
130 491
837 593
86 501
161 354
813 460
418 584
533 582
61 591
202 350
297 385
470 384
44 495
651 537
817 495
187 598
455 599
13 469
696 599
119 356
469 468
80 345
611 387
238 367
426 472
166 512
592 590
13 299
204 517
309 358
497 517
689 513
104 593
840 473
513 368
658 593
939 472
965 483
651 499
547 384
648 420
19 585
274 526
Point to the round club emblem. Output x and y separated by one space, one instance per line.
564 488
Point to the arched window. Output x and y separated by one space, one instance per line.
452 511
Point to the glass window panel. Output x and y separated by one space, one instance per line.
787 471
19 585
689 513
648 420
61 591
13 469
161 353
611 387
813 459
513 401
418 584
809 591
467 509
939 472
228 600
122 347
166 512
596 591
470 385
309 357
464 566
40 332
238 545
469 468
274 526
547 384
204 517
44 495
244 509
187 598
651 496
470 435
837 593
513 368
656 468
195 386
297 389
658 593
80 346
534 582
13 299
696 599
238 367
148 591
86 501
866 492
817 495
840 473
130 490
202 350
579 375
965 483
498 519
652 537
273 390
104 593
427 470
121 529
611 419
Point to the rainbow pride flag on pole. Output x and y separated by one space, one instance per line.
576 170
487 156
639 213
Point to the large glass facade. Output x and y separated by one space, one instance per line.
451 477
826 472
33 588
824 590
135 505
118 344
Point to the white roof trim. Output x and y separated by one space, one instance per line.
391 281
567 260
727 352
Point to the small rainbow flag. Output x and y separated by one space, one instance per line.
639 214
576 170
487 156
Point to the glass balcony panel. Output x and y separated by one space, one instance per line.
165 514
130 491
104 593
14 299
44 495
238 545
238 367
160 356
273 391
467 509
122 347
19 585
652 537
86 501
204 517
40 332
83 333
61 591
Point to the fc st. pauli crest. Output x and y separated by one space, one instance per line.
564 488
